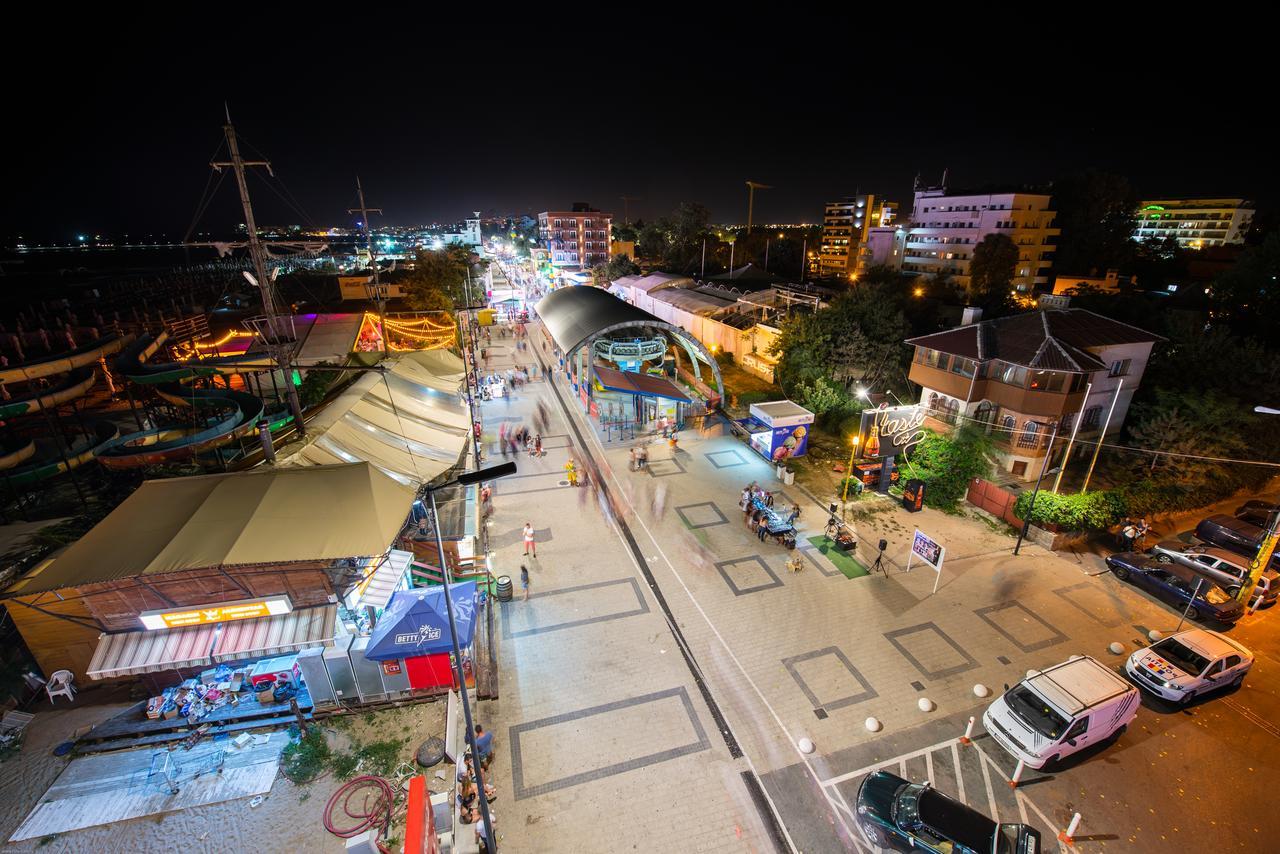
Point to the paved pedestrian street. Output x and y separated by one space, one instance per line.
610 725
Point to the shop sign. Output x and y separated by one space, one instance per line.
891 430
391 668
219 612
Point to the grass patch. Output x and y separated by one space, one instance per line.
849 567
307 758
344 765
381 757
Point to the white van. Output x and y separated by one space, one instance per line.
1060 710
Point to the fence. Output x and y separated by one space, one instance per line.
993 499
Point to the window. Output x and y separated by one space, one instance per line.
1092 415
1008 424
1231 661
1030 435
963 367
1078 728
1067 421
1119 368
1012 375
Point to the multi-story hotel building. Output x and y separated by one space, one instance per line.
946 227
577 239
1020 375
844 230
1194 223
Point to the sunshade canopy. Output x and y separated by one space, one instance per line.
416 622
573 315
272 515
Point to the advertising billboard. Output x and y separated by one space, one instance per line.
890 430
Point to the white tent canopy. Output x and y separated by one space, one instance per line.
410 422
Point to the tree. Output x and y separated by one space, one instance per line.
1250 290
675 242
1095 212
1197 423
991 271
438 279
947 464
626 230
617 267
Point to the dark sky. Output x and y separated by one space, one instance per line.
439 126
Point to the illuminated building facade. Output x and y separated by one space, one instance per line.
845 225
577 239
1194 223
946 227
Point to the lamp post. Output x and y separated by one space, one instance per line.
465 479
1267 547
849 473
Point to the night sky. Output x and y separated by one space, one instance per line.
122 146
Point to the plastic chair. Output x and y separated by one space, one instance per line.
60 683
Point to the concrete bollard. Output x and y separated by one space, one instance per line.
805 745
1017 775
981 690
1067 836
1116 648
1154 635
967 738
925 704
873 725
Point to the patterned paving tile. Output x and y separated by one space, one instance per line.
942 656
747 569
837 674
703 515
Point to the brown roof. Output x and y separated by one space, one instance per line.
636 383
1050 339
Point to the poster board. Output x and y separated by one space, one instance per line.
927 551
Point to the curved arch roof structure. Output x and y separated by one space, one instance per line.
573 315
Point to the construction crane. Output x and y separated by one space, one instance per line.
752 186
626 207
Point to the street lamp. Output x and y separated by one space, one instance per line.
848 474
1266 410
466 479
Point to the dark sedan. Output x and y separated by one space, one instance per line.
1178 586
905 816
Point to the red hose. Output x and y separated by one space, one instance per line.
366 801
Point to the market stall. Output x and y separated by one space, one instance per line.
778 525
414 634
779 430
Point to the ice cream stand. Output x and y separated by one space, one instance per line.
778 430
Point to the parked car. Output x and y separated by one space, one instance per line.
1061 710
1176 585
903 816
1189 663
1230 533
1226 569
1256 512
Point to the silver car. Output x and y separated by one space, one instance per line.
1227 569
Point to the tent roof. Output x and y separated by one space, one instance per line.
413 426
574 314
275 515
416 622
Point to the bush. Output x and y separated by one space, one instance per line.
946 464
1076 512
750 397
307 758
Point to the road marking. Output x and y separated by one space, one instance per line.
955 759
928 767
991 796
1253 718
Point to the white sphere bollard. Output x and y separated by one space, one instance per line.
805 745
1116 648
1154 635
925 704
981 690
874 725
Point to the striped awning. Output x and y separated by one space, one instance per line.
376 589
263 636
131 653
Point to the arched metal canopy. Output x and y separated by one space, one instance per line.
576 315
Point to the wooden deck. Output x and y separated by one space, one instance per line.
132 728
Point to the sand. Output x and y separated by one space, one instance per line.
290 818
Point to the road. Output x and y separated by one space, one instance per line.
778 657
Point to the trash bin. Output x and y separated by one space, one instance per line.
788 476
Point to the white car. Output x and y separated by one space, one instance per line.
1188 664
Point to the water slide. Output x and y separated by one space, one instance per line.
235 414
27 461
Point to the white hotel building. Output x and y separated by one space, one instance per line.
945 228
1194 223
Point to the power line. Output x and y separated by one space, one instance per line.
1127 448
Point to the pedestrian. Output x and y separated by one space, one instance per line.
1143 529
763 527
484 740
633 458
644 457
1128 535
795 514
529 544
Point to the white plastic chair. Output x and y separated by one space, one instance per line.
60 683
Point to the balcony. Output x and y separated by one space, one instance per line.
1024 401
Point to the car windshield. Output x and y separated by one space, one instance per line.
1035 712
1215 595
1181 656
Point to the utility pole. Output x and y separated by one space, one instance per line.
278 335
379 296
1026 523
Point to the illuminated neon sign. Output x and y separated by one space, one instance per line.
218 612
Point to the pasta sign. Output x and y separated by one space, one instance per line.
891 430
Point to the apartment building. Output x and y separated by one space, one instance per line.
1020 375
1194 223
946 226
845 225
577 239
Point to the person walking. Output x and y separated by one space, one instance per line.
633 458
529 545
763 528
